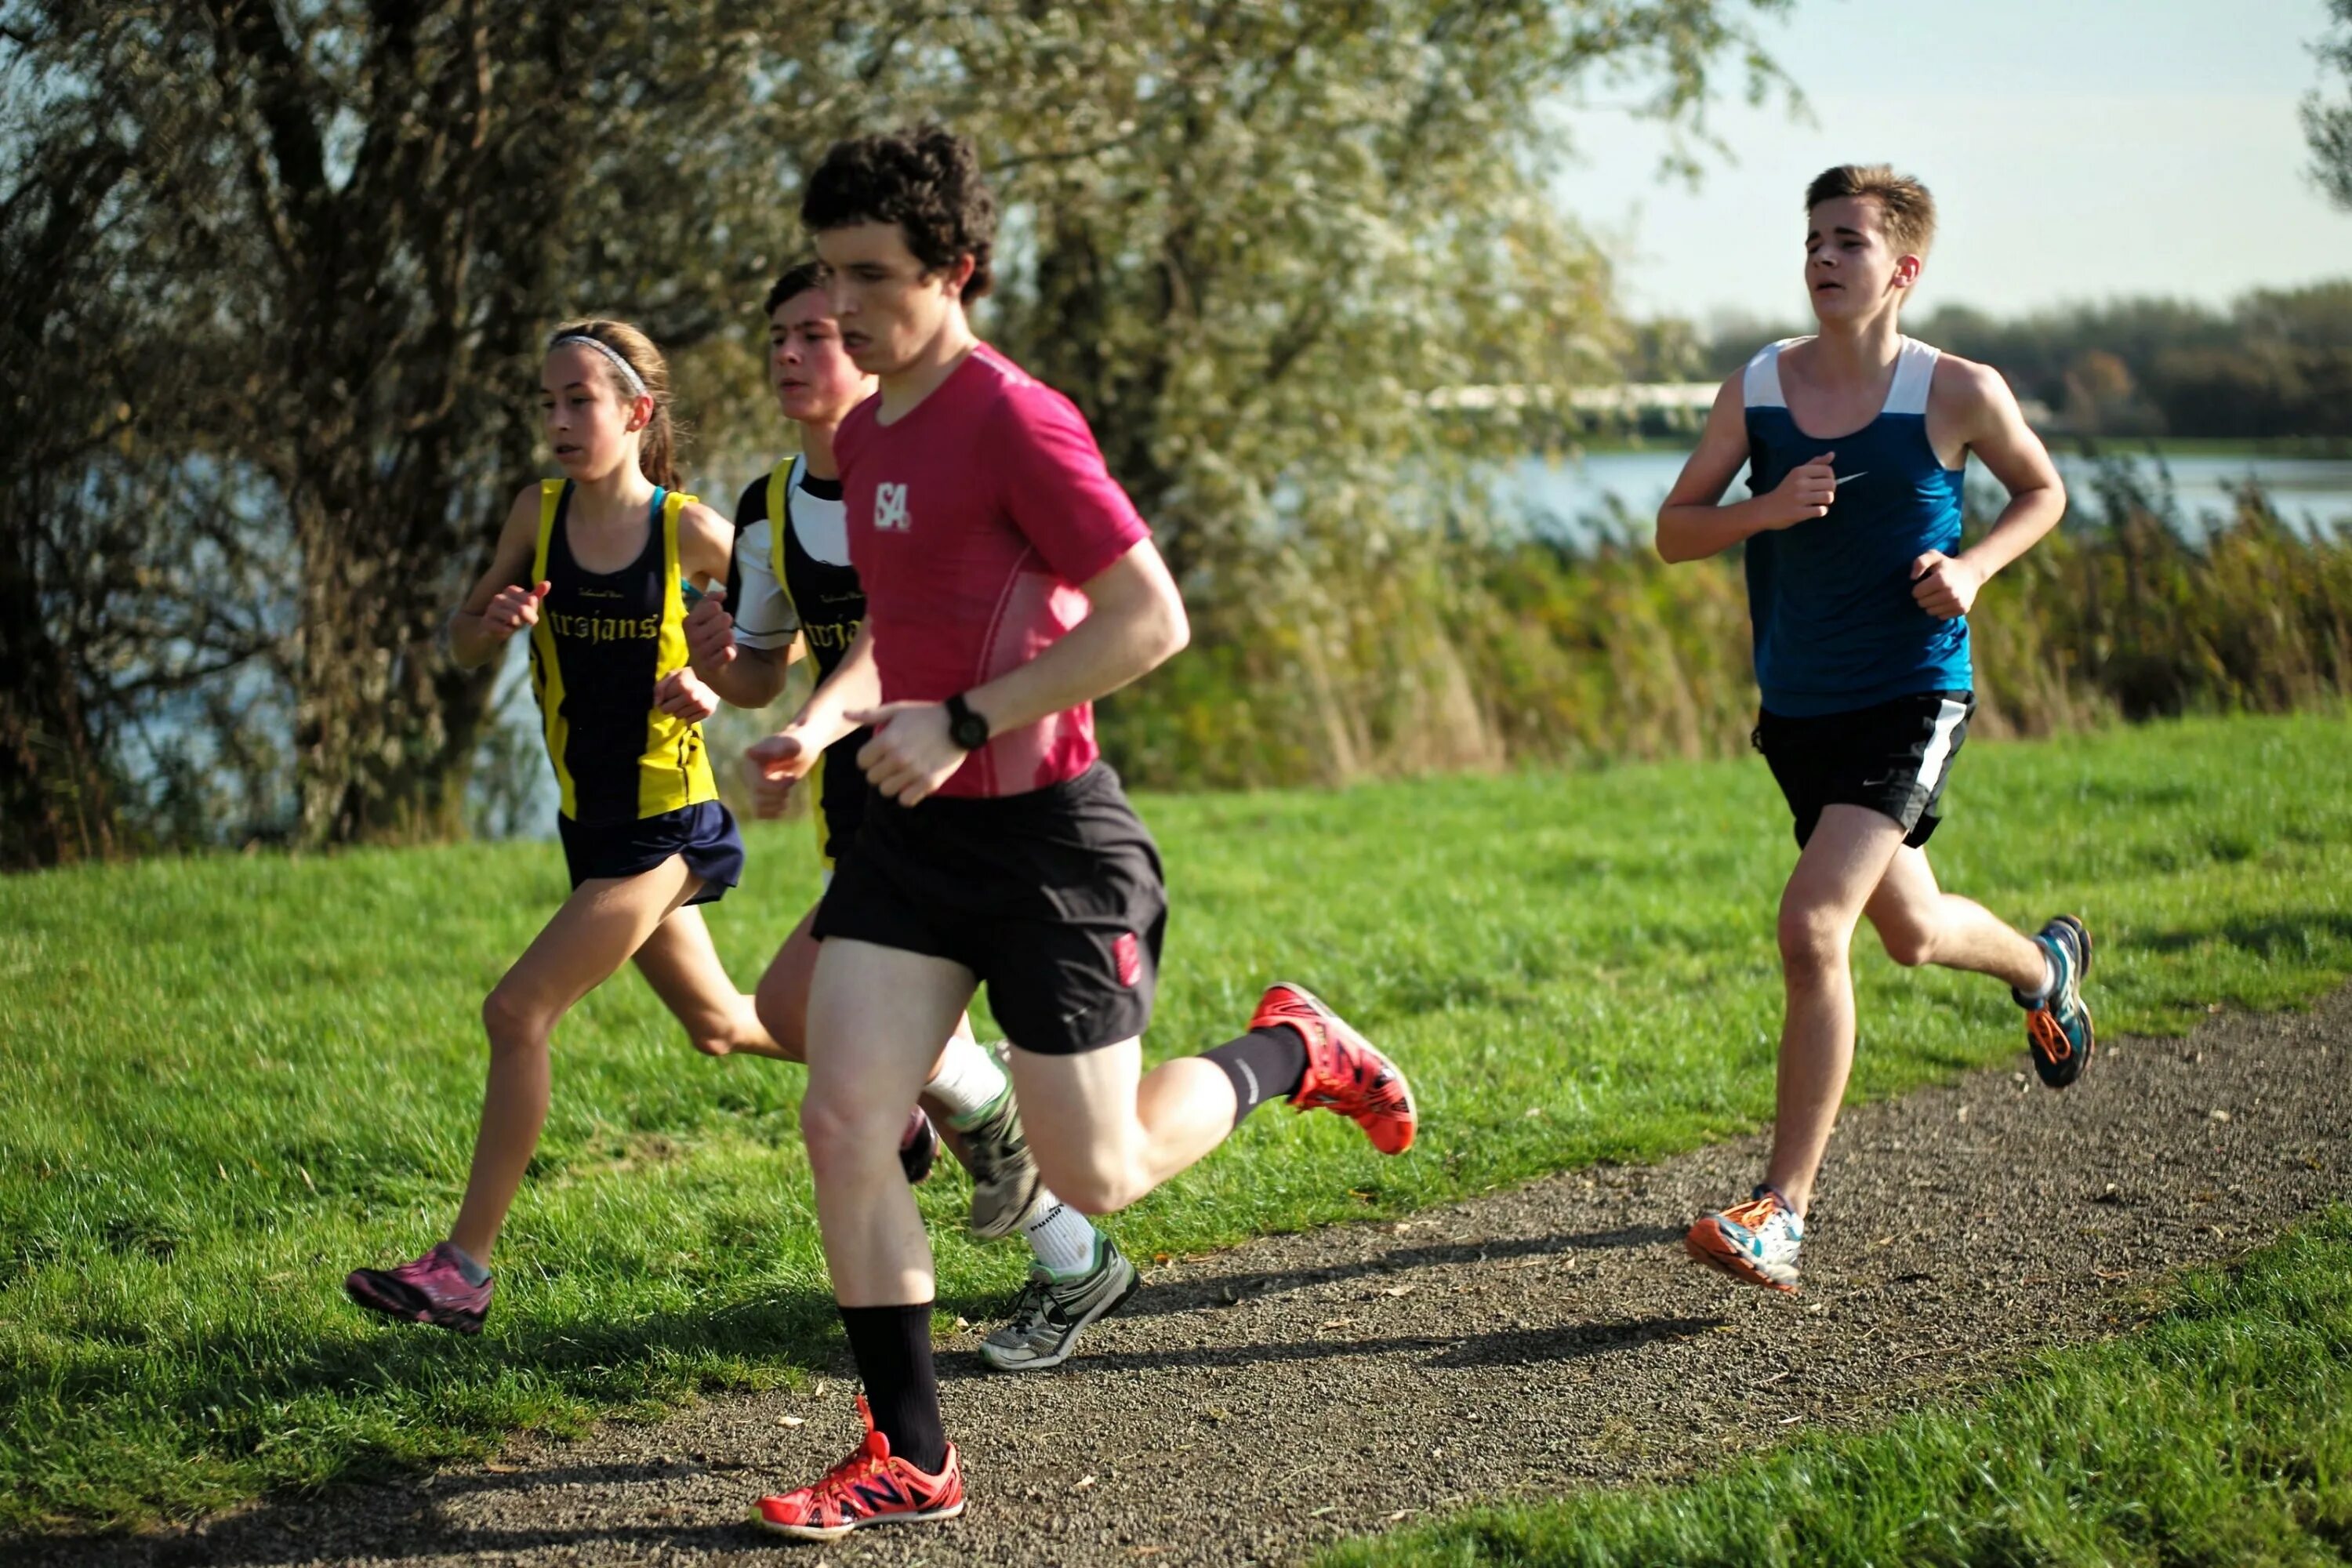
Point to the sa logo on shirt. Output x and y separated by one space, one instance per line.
890 508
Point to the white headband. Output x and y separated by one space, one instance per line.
637 382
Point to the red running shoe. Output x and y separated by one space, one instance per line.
1344 1072
873 1486
433 1289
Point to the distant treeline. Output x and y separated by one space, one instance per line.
1539 652
2276 363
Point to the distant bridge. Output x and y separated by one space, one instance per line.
1626 400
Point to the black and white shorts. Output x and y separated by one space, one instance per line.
1053 899
1893 758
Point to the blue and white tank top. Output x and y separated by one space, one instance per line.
1835 626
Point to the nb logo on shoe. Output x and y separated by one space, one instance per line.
890 508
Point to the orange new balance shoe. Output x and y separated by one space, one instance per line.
1344 1072
872 1486
1756 1242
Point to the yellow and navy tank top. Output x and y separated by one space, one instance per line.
829 603
605 639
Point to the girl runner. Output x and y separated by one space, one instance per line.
592 566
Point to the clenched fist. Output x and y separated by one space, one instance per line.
1944 585
709 629
681 694
773 766
1805 494
512 609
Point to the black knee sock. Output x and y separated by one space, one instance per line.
893 1348
1264 1064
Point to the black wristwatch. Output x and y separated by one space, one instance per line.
967 729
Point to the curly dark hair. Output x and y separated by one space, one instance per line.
798 278
926 180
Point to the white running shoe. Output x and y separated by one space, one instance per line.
1052 1313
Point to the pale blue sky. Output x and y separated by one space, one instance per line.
2078 149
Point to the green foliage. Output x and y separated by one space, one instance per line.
1480 652
232 1079
1247 238
2275 362
2327 126
2220 1432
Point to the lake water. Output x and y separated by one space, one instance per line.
2313 494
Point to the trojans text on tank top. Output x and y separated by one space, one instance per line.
605 639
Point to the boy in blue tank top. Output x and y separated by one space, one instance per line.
1856 440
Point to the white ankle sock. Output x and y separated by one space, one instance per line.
968 1081
2049 983
1062 1237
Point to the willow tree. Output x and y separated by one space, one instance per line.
347 223
1267 248
303 252
2327 121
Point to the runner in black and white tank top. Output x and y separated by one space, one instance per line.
797 579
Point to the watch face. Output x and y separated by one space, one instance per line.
968 731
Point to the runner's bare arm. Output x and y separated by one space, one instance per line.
1135 623
501 604
773 766
855 685
741 675
1973 401
1693 524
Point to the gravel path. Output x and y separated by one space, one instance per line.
1250 1406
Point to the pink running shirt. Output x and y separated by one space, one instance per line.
972 519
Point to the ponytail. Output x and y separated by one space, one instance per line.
659 443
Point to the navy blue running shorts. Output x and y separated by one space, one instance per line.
704 835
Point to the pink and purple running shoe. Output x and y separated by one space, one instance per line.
433 1289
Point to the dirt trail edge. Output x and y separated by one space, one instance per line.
1250 1406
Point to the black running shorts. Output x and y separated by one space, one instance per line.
1052 898
1893 759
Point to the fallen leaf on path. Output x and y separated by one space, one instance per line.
791 1421
1082 1483
1398 1291
497 1467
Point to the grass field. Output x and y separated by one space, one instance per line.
229 1080
2220 1432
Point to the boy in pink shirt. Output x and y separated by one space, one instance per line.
1009 584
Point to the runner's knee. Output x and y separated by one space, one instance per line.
1907 943
513 1021
1091 1185
1813 936
710 1030
841 1129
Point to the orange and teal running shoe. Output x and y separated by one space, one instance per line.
1344 1072
872 1486
2058 1026
1755 1242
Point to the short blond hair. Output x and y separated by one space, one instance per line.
1907 211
